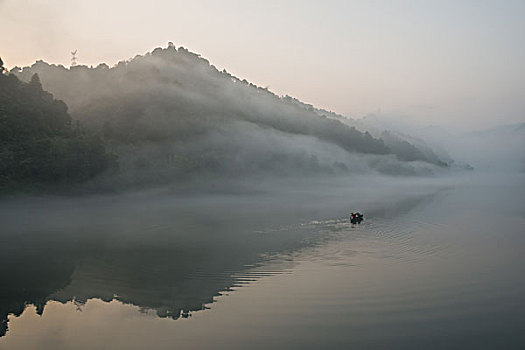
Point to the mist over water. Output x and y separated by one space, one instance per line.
437 263
164 203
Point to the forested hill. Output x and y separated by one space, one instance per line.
185 94
39 147
170 112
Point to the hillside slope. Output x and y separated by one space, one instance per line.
170 113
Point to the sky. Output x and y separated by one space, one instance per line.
455 63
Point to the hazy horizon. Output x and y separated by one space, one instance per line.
263 175
455 64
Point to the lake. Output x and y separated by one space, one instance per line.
437 264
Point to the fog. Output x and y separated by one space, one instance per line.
169 251
173 250
170 115
212 179
494 150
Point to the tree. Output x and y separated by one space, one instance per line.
38 145
35 82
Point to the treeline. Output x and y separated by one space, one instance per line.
39 146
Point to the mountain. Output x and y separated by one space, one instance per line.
169 115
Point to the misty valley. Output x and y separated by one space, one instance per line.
164 203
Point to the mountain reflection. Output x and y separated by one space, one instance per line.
160 253
165 255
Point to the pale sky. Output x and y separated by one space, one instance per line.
435 62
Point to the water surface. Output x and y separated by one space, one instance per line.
433 266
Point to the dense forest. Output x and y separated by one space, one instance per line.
38 145
170 115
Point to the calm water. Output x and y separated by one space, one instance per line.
437 264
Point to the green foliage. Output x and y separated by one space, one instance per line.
38 145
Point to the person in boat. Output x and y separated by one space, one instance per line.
352 218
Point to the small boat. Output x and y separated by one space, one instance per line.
356 218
